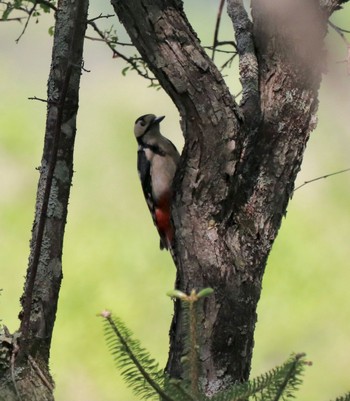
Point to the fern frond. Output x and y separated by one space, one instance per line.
289 378
138 369
278 384
345 397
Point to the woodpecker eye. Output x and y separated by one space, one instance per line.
142 123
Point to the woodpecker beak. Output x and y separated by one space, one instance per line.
157 120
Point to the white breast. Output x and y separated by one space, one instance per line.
162 174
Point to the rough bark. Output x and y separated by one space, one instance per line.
239 163
25 372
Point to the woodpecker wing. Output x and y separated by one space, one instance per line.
144 170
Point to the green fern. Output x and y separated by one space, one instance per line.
148 382
278 384
138 369
140 372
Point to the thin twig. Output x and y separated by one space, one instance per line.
320 178
220 50
40 373
112 42
108 42
132 61
343 30
226 42
116 53
30 13
237 94
19 19
223 43
340 32
217 26
228 62
100 17
39 99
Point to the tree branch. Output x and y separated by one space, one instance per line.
340 32
18 19
248 63
30 13
217 26
321 178
129 60
27 376
33 267
332 5
101 16
44 270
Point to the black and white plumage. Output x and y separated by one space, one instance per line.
157 160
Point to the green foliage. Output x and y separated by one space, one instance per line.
278 384
138 369
28 7
345 397
147 381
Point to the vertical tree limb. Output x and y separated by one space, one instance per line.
30 353
248 62
44 273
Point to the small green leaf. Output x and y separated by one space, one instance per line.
124 70
51 30
176 294
45 8
205 292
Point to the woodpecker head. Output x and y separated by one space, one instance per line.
146 123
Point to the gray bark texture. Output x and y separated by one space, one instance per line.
239 162
24 372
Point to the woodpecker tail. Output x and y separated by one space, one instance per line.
165 230
164 226
166 242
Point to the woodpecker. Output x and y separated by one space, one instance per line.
157 160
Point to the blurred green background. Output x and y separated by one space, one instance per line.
111 256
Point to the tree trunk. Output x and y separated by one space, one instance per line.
239 162
25 373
